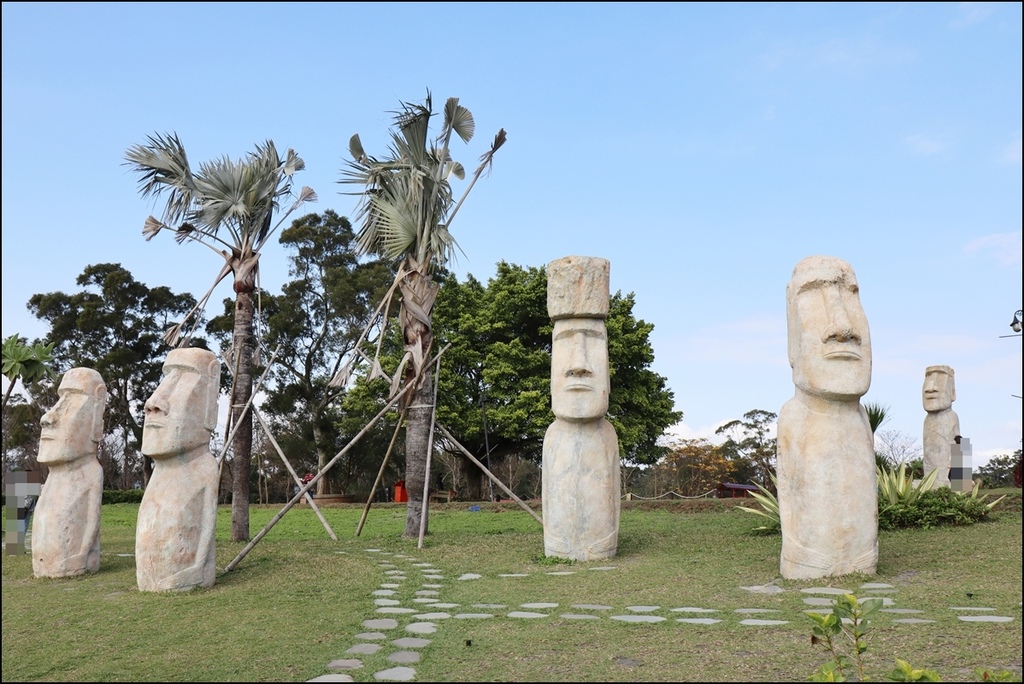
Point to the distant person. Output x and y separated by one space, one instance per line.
22 491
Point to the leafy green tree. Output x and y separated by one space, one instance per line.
314 324
748 445
998 472
498 370
114 325
229 206
406 215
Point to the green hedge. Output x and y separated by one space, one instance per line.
117 496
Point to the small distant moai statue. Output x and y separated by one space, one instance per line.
580 475
941 425
828 497
66 532
175 541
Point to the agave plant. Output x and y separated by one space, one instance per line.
896 486
974 495
769 508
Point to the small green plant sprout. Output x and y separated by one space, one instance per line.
904 672
769 508
986 675
848 621
897 486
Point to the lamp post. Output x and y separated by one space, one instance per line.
1015 324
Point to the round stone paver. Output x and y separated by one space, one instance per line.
404 657
380 623
577 616
371 636
698 621
690 609
384 592
364 649
473 616
345 664
444 605
394 609
428 592
751 611
470 576
819 601
421 628
490 606
876 585
643 609
901 611
424 599
332 678
386 602
526 614
763 623
984 618
590 606
979 609
638 618
605 567
396 674
434 616
562 573
832 591
411 642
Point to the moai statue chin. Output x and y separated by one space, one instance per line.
66 527
580 474
175 542
827 490
941 424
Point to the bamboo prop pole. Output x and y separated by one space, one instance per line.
380 473
231 435
425 504
295 476
309 485
489 474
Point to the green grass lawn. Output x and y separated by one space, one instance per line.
298 599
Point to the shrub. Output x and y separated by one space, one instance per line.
117 496
933 508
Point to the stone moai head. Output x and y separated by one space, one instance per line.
829 342
73 428
578 305
939 390
182 413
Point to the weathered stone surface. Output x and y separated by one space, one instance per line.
396 674
825 445
175 542
578 287
66 523
941 424
345 664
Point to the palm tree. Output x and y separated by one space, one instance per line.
405 215
240 197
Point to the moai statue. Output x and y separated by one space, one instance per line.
941 425
580 474
828 497
66 531
175 542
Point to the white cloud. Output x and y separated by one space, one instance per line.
925 145
971 13
1004 247
1012 152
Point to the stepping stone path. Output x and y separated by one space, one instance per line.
418 615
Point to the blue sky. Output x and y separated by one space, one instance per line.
704 149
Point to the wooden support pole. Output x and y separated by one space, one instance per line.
489 474
380 474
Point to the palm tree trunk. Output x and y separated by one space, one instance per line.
240 393
417 435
